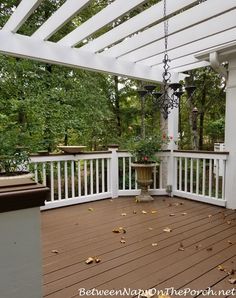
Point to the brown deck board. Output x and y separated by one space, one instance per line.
78 233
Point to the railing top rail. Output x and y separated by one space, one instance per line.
66 157
202 152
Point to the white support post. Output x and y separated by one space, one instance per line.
230 140
173 125
114 170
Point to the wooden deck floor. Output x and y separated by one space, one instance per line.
202 238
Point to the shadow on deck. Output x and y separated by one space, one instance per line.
202 238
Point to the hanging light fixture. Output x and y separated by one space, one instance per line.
171 93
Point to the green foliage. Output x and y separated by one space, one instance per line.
144 150
12 155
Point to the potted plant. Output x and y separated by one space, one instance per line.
144 151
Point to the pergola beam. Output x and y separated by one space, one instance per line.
186 19
187 36
65 13
49 52
139 22
21 14
104 17
191 66
195 47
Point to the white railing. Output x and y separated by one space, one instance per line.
75 178
92 176
127 175
200 176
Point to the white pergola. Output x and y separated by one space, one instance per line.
201 33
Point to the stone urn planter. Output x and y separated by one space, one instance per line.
144 180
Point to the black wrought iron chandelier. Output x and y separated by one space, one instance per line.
171 93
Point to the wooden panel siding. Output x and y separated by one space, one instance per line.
207 233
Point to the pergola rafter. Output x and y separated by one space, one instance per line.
133 48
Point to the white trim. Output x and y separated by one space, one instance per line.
77 200
135 192
199 155
133 25
66 12
45 51
109 14
21 14
200 198
194 47
188 18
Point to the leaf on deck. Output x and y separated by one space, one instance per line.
89 260
55 251
167 230
221 268
119 230
232 281
181 246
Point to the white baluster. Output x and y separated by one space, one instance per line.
52 180
59 179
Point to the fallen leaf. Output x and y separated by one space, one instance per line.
221 268
154 244
122 230
97 260
172 214
154 211
123 214
229 222
231 272
232 281
55 251
181 247
230 242
144 212
90 209
168 230
209 249
122 241
89 260
184 213
119 230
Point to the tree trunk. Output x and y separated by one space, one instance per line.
201 125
